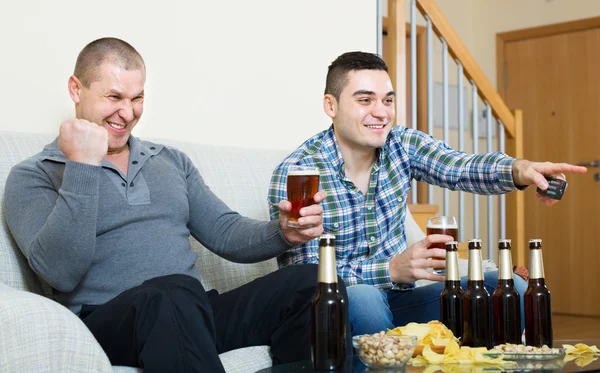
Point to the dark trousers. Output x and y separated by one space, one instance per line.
171 324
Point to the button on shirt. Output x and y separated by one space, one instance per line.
369 228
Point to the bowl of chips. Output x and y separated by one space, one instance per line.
381 350
433 334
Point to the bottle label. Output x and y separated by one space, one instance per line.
452 273
475 265
536 265
327 267
504 265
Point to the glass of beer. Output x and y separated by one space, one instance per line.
302 185
442 225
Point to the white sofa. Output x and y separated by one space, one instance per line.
39 335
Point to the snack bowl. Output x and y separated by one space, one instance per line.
381 350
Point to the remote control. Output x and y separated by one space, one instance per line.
556 188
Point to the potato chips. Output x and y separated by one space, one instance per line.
434 333
453 354
581 353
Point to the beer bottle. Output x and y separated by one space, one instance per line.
506 299
329 310
538 313
478 321
452 297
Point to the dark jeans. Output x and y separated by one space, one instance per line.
171 324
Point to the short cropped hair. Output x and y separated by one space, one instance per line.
116 51
337 74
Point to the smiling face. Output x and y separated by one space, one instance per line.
364 114
115 102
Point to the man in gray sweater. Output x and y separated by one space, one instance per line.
105 219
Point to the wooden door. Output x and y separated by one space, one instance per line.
554 77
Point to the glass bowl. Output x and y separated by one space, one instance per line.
381 350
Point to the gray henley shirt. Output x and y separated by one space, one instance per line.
93 232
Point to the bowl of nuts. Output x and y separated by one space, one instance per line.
381 350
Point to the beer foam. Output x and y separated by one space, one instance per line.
304 173
442 226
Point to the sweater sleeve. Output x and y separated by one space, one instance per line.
227 233
55 229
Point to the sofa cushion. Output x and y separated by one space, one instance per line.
240 177
40 335
14 269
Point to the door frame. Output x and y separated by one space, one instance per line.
502 40
534 32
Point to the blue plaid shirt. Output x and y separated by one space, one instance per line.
369 229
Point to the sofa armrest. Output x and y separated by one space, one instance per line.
39 335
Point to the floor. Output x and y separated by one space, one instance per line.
580 327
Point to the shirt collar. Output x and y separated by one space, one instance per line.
52 151
333 153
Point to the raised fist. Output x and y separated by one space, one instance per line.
83 141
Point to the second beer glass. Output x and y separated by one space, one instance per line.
302 185
442 225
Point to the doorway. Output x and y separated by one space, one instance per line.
552 73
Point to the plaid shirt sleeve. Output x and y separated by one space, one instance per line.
374 272
435 162
277 191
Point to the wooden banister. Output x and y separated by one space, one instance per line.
471 69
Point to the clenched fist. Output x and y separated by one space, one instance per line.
82 141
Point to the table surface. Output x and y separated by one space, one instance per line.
550 366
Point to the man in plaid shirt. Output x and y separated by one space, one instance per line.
366 167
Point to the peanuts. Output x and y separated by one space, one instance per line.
384 350
521 349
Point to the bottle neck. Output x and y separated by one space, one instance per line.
536 264
504 265
327 267
452 284
506 283
475 265
538 282
452 273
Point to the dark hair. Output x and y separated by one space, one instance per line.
337 73
116 51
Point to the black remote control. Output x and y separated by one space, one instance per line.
556 188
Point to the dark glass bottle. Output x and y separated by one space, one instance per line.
452 297
329 310
506 299
538 310
478 320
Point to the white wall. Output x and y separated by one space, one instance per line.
233 72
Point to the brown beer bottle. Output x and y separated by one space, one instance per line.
329 310
507 302
452 297
478 320
538 312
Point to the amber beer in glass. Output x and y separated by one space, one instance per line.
478 320
452 297
442 225
538 311
329 310
506 299
302 185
